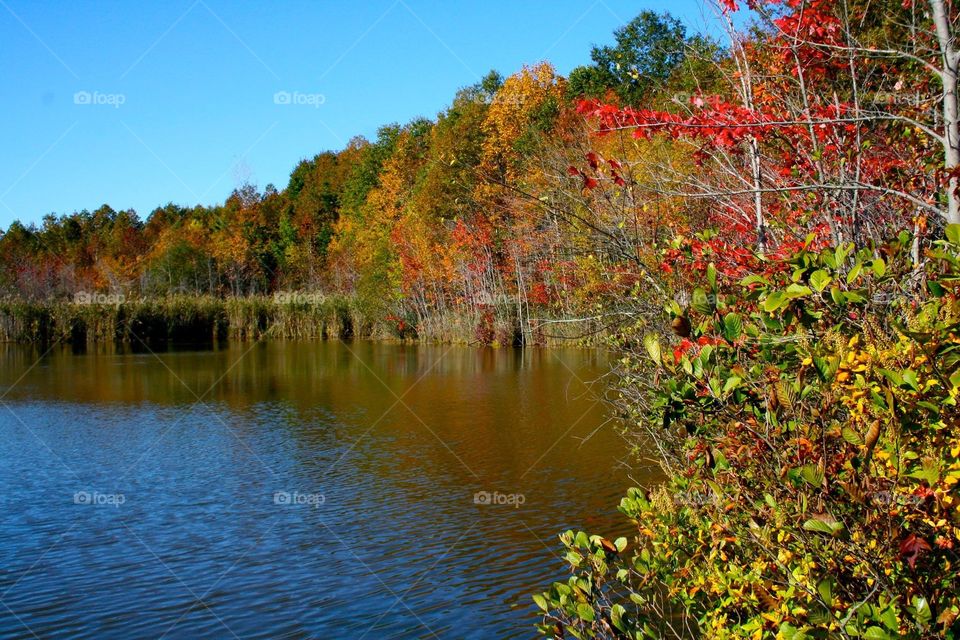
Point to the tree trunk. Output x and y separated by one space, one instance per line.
951 109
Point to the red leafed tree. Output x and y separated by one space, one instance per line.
824 127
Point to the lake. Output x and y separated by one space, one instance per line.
296 490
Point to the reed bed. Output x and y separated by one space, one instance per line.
205 319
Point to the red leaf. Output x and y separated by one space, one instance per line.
911 547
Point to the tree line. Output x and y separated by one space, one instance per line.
457 214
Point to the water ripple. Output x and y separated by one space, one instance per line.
300 499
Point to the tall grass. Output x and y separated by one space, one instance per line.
205 319
183 319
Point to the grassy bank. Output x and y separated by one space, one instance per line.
200 319
175 319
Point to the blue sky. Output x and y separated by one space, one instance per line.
137 104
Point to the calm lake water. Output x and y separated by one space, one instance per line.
295 490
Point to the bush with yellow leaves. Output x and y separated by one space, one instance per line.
809 430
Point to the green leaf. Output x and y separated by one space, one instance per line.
854 273
929 471
789 632
652 344
754 279
953 233
836 294
955 378
774 301
876 633
705 352
812 474
732 383
841 253
720 460
892 376
617 612
825 589
714 384
879 267
585 612
732 327
855 296
717 490
826 367
921 610
541 602
819 280
910 379
851 436
798 291
825 524
702 302
712 276
620 544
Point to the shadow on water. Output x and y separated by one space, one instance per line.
298 490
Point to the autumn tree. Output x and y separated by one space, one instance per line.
375 196
313 197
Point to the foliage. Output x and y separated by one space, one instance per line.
648 49
804 411
446 218
792 197
808 419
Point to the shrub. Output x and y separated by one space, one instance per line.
807 420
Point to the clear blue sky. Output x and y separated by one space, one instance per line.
181 93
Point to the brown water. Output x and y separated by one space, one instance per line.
296 490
